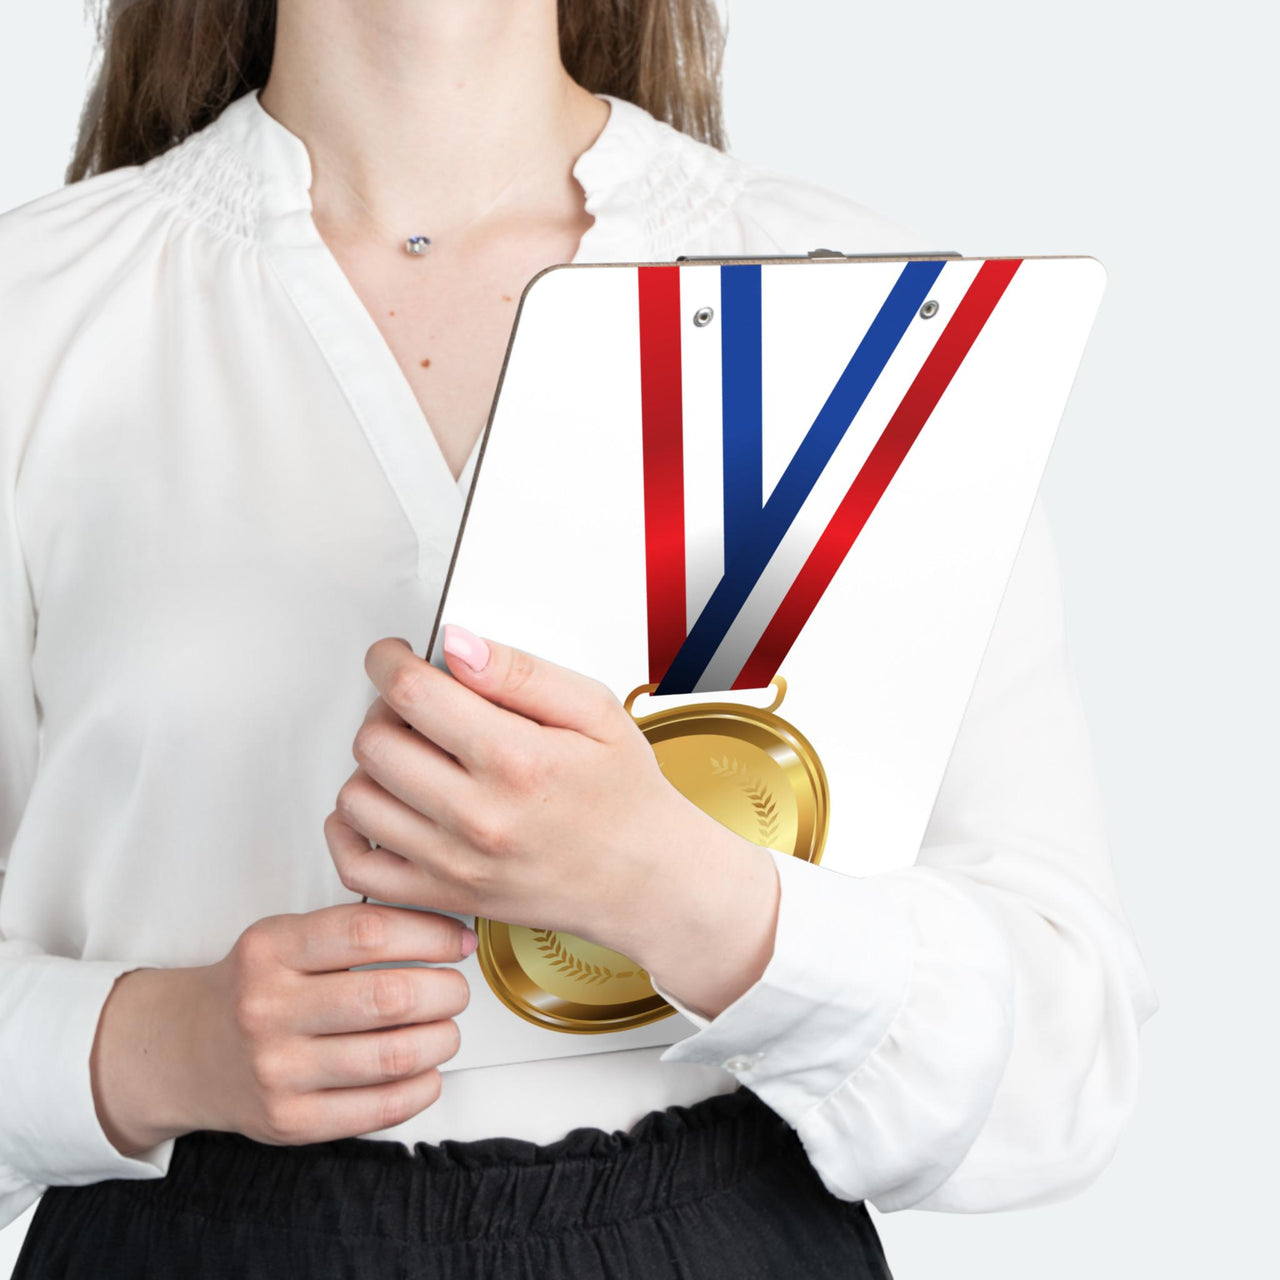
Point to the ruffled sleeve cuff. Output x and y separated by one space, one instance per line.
49 1128
837 977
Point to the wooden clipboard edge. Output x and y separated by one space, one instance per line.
823 256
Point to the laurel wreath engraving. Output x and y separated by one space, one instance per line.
756 791
558 956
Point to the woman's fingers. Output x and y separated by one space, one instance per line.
438 706
338 1113
409 767
335 939
359 1059
386 874
533 687
373 999
315 1048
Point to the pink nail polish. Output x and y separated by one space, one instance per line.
469 941
462 644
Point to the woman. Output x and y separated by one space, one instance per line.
238 419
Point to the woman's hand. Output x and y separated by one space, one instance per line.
522 791
278 1040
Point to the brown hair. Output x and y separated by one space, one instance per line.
170 66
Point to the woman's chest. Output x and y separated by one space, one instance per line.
446 318
450 354
209 498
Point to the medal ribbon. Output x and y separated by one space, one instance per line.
742 400
662 411
754 532
877 471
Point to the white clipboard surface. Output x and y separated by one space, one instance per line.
898 414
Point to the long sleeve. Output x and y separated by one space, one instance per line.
961 1034
49 1004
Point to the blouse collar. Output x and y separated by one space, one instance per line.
249 177
647 185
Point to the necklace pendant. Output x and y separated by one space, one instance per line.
416 246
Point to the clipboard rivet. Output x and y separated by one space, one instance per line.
702 317
929 310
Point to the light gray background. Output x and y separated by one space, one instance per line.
1144 134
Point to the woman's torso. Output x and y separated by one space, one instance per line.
219 490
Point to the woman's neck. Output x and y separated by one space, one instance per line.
423 111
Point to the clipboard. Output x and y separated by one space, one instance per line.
773 503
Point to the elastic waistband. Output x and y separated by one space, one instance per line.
456 1190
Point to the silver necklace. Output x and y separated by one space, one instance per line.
417 246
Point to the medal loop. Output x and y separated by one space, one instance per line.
778 682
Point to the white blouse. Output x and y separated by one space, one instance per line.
217 489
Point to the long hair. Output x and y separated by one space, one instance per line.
168 67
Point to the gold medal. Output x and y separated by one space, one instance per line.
750 770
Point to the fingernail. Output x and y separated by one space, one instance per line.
462 644
469 941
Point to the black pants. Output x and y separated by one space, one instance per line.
719 1189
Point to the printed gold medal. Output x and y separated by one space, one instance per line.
744 765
